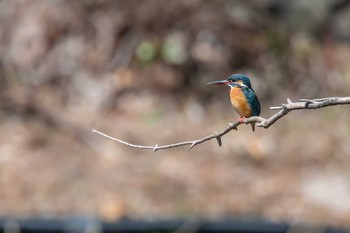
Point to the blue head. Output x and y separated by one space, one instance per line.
234 80
239 79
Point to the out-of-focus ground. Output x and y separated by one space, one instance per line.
137 70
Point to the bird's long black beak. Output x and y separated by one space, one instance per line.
221 82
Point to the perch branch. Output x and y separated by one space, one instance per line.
284 109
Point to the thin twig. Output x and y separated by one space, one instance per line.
284 109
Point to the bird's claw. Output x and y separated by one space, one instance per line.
241 119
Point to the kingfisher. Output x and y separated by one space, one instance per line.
242 96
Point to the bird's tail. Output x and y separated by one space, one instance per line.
253 126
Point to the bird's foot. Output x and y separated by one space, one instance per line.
241 119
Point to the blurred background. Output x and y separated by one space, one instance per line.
137 70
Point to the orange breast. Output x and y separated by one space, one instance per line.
239 102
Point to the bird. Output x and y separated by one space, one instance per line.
242 96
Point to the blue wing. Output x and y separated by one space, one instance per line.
252 100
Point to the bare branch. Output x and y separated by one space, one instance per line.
284 109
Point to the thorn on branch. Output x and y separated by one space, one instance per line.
193 144
155 147
218 139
